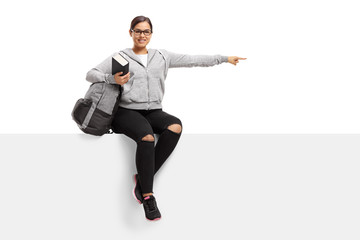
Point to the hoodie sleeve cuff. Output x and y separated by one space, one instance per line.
224 59
110 79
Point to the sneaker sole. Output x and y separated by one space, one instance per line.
153 220
134 191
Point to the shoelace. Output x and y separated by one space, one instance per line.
150 204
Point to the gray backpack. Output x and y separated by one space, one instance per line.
94 113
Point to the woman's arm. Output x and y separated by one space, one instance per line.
184 60
102 72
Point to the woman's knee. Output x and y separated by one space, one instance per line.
148 138
176 128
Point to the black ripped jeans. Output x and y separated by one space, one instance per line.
136 124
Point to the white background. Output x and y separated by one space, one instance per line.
301 75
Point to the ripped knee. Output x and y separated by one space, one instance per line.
148 138
176 128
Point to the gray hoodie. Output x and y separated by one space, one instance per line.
146 86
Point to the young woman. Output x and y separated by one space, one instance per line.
140 113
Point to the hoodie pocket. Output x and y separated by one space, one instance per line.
138 92
156 90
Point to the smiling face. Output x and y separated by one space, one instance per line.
140 41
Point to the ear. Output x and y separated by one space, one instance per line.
130 33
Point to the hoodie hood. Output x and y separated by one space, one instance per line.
130 53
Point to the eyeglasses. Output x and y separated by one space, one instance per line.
138 32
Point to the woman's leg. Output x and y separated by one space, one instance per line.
165 146
170 128
134 125
145 165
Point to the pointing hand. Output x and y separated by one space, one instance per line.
234 60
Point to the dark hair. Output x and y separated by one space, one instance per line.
140 19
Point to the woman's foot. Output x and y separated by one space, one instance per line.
152 212
137 190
